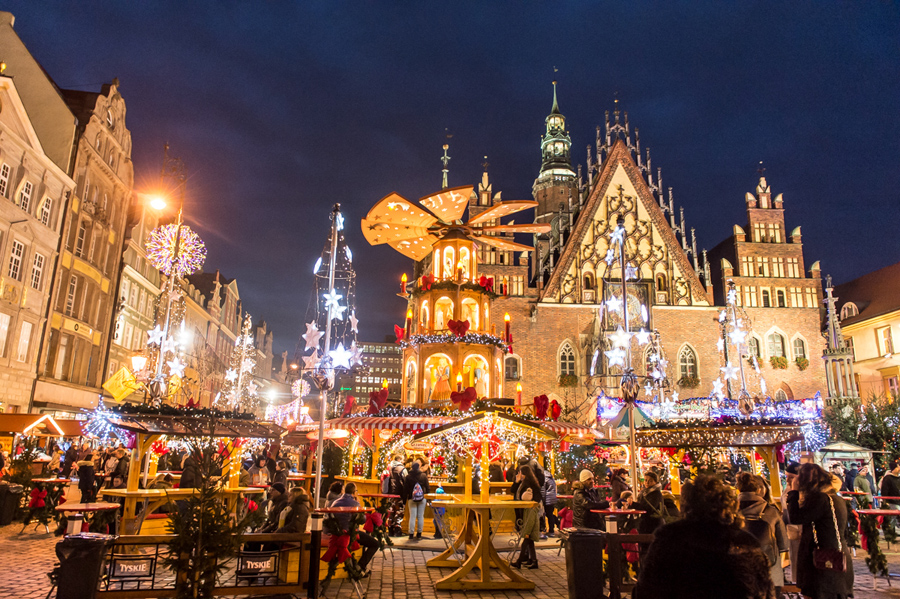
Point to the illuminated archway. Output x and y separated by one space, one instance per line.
436 377
476 373
464 262
449 263
424 316
469 309
410 380
443 313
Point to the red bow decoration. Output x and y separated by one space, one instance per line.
399 333
555 410
779 454
494 444
192 403
37 498
373 521
487 283
541 403
564 446
348 405
377 399
460 327
465 399
427 281
252 506
338 548
159 448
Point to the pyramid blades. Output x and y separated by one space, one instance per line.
449 204
525 228
502 209
504 244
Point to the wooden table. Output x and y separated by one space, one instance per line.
611 517
345 509
80 509
483 555
52 481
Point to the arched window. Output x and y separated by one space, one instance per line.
780 395
753 347
588 281
849 310
512 368
775 345
566 360
779 296
767 300
661 282
649 361
799 348
687 363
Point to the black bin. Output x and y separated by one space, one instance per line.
80 563
584 571
10 503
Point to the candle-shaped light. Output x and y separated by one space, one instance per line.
459 271
403 284
518 394
506 319
384 384
458 381
408 322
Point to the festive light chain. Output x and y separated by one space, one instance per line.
240 389
167 410
478 338
161 250
300 388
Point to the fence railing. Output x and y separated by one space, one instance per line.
268 564
624 551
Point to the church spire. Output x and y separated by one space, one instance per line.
556 144
555 109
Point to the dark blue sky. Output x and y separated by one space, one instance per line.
280 109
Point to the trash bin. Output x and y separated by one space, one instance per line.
10 504
80 563
584 548
4 491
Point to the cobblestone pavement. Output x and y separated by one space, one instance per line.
26 558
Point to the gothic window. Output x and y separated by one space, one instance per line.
512 368
780 395
799 348
849 310
775 345
687 363
15 260
588 281
566 359
780 297
753 347
661 282
767 302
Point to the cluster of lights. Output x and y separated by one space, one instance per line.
241 391
300 388
161 250
289 414
479 338
98 425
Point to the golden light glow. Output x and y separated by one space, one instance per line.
506 317
459 378
138 362
409 314
158 203
403 278
384 384
518 387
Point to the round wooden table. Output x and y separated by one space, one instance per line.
483 555
344 509
79 510
612 517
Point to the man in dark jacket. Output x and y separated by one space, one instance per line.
190 473
86 477
278 500
584 499
850 478
415 488
371 544
656 507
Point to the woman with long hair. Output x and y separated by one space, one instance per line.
527 488
813 502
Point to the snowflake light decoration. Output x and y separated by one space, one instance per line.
299 388
161 250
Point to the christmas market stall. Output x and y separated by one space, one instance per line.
153 428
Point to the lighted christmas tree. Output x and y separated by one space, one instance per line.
241 391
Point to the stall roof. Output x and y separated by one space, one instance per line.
405 423
41 425
195 426
844 447
718 436
534 425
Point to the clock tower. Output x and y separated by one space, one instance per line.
556 186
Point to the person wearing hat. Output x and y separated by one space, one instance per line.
584 499
278 500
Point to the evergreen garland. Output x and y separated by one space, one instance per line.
167 410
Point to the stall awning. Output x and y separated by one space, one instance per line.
407 423
196 426
718 436
568 429
40 425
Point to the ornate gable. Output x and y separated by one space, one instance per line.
651 245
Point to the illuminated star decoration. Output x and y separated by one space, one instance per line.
310 362
248 364
717 388
732 296
648 389
231 375
620 338
340 356
354 322
720 344
355 354
616 357
614 304
312 335
168 345
610 257
299 388
729 371
674 395
252 388
161 250
155 335
663 363
630 272
642 336
176 367
737 336
333 304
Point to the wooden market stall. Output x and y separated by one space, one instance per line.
759 437
149 428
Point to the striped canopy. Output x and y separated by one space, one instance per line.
404 423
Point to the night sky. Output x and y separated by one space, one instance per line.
280 109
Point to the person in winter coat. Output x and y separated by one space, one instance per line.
244 478
278 500
706 555
814 503
495 472
415 488
658 508
511 472
298 517
618 484
69 461
763 521
259 473
549 493
584 499
55 462
86 478
190 473
850 478
334 493
535 469
398 475
527 488
861 484
281 473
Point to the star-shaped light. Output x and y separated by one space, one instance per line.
642 336
252 388
722 315
247 364
630 273
737 336
175 295
620 338
674 395
176 367
355 354
616 357
310 362
729 371
155 336
610 257
618 235
648 389
231 375
312 335
732 296
169 345
614 304
658 374
720 344
340 356
332 299
337 312
354 322
662 364
717 388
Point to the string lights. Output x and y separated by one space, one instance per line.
479 338
161 250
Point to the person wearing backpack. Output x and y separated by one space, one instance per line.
415 488
763 521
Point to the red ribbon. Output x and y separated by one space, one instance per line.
460 327
541 403
339 547
37 498
555 410
399 333
487 283
465 399
427 281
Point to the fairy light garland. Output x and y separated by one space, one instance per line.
476 338
161 250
